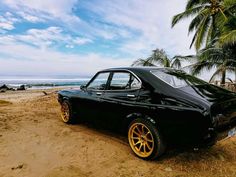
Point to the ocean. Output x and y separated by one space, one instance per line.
43 82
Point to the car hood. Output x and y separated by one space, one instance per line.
71 93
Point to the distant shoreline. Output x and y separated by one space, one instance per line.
44 83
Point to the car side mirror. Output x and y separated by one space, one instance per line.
83 87
102 87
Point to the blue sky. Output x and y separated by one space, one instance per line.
52 37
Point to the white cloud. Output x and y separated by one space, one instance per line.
34 10
57 8
44 38
2 31
134 27
27 60
81 41
62 11
70 46
152 19
30 18
7 21
6 25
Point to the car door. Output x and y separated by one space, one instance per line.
90 102
120 97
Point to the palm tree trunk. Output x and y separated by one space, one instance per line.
222 82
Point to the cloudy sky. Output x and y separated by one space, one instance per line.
51 37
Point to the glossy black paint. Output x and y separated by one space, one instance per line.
194 115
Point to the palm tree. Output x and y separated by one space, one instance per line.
212 57
206 14
159 57
142 62
228 30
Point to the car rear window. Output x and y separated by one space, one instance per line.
176 78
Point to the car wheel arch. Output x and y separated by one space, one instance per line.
129 118
70 101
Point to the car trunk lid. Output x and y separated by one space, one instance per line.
222 103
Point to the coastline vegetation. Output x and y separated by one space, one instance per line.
214 27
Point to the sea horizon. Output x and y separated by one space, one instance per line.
43 81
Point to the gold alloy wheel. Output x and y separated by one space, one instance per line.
141 140
65 112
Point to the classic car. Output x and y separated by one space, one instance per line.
156 107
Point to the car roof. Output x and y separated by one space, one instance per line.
144 69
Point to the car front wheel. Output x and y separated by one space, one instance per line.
66 112
145 140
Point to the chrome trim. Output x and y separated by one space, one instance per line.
121 90
131 96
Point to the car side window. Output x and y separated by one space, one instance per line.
124 81
99 83
135 83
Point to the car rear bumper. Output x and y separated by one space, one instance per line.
226 131
220 133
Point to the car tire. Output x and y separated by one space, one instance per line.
67 115
145 140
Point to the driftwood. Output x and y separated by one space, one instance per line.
45 93
49 93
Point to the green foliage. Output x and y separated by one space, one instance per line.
228 36
214 25
160 58
223 59
211 19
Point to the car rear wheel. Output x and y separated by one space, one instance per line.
145 140
66 112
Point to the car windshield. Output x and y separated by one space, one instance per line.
177 78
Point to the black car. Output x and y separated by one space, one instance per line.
154 106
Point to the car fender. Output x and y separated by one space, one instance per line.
129 118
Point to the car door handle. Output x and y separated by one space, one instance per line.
130 96
98 93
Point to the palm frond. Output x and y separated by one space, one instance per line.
197 20
229 4
230 68
160 57
176 63
193 40
216 73
228 38
212 54
202 32
177 60
210 34
142 62
198 67
185 14
193 3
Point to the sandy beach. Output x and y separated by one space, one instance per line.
34 142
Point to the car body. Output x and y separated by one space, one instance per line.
169 105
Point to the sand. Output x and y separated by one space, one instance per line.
34 142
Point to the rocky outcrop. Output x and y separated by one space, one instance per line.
22 87
5 88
